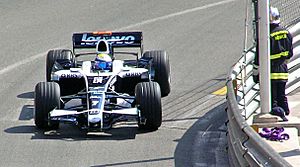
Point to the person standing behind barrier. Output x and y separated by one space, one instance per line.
281 50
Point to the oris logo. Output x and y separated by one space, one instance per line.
133 74
70 76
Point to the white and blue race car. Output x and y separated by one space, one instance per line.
94 94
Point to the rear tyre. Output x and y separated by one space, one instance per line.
53 55
161 65
148 100
46 98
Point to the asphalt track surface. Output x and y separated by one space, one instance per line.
203 38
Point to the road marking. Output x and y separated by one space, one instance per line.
19 63
32 58
221 91
176 14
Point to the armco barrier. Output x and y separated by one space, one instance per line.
246 147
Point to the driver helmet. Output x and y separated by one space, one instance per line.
274 16
103 62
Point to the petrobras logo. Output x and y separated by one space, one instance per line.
120 40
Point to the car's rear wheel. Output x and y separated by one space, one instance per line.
161 65
148 100
53 55
46 98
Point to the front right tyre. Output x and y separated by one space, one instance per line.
161 65
46 98
56 54
148 101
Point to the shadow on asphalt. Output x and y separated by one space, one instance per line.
130 163
27 110
205 142
26 113
26 95
72 133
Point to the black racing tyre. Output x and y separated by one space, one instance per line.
53 55
162 69
148 100
46 98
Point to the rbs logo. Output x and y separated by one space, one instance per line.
98 80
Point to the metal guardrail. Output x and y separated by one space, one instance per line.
246 147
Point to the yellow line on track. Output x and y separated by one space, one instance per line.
221 91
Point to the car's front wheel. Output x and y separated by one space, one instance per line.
148 101
46 98
57 54
161 65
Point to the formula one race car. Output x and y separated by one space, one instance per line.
98 93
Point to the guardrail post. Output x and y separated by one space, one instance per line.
234 83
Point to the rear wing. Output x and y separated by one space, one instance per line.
115 39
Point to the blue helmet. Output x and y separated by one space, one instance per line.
103 62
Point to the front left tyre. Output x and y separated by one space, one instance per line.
46 98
